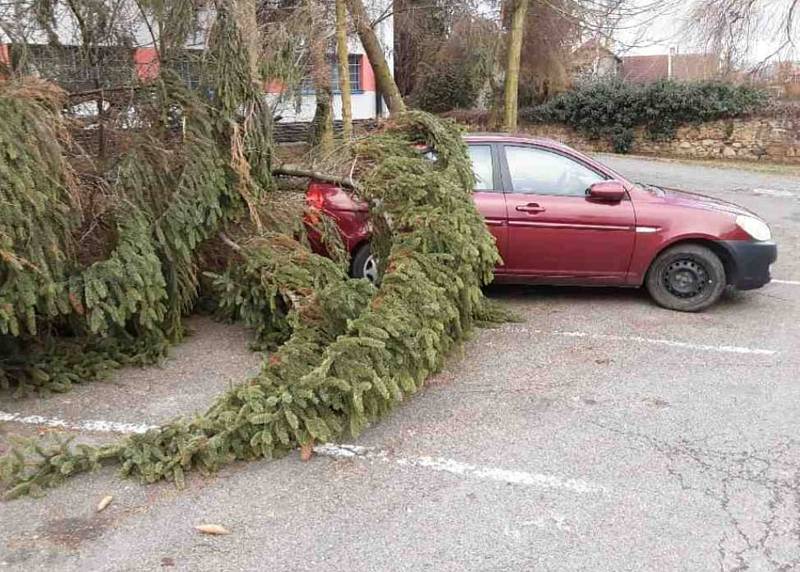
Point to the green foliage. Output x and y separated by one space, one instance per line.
55 365
127 286
459 71
350 352
449 85
613 109
37 217
164 199
258 288
354 352
54 462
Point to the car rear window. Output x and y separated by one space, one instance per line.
482 166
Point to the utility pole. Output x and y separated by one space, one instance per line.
672 51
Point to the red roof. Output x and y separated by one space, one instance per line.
592 44
685 67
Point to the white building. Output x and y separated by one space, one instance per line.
366 102
60 63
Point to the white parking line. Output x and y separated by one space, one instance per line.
791 282
461 469
671 343
640 339
94 426
777 193
346 452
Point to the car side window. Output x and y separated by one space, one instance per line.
482 166
547 173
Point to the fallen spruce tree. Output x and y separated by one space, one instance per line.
354 351
101 260
98 259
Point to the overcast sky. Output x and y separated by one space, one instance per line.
645 35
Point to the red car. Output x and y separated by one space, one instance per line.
560 217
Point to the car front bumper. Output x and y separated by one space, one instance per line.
751 262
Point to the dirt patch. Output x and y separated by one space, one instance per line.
72 531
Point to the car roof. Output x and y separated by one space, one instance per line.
542 142
515 138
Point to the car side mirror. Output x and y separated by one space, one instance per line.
606 191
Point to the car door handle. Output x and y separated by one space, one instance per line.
530 208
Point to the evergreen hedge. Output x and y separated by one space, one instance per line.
613 109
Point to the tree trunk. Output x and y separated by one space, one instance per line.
322 125
491 97
244 11
372 46
512 64
344 69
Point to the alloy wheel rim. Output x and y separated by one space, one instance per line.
371 269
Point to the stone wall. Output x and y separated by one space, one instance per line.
773 137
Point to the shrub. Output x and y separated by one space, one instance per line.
449 85
613 109
456 77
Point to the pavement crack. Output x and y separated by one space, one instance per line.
755 489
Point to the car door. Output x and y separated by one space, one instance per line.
488 194
554 229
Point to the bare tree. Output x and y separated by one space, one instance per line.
322 124
421 29
376 56
732 27
519 11
546 63
344 69
247 20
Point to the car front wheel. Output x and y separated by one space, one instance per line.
687 278
364 265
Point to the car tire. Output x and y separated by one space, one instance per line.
686 278
364 264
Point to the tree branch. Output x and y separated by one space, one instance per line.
296 171
227 240
105 90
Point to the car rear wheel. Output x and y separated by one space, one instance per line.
687 278
364 264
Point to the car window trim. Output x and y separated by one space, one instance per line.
508 187
497 183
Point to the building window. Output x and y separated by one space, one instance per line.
354 63
75 69
189 67
354 67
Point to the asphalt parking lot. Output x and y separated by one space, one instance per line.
601 433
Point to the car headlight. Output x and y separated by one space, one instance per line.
756 228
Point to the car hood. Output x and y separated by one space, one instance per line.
698 201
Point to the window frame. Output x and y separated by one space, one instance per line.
64 66
508 186
497 179
188 66
353 61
